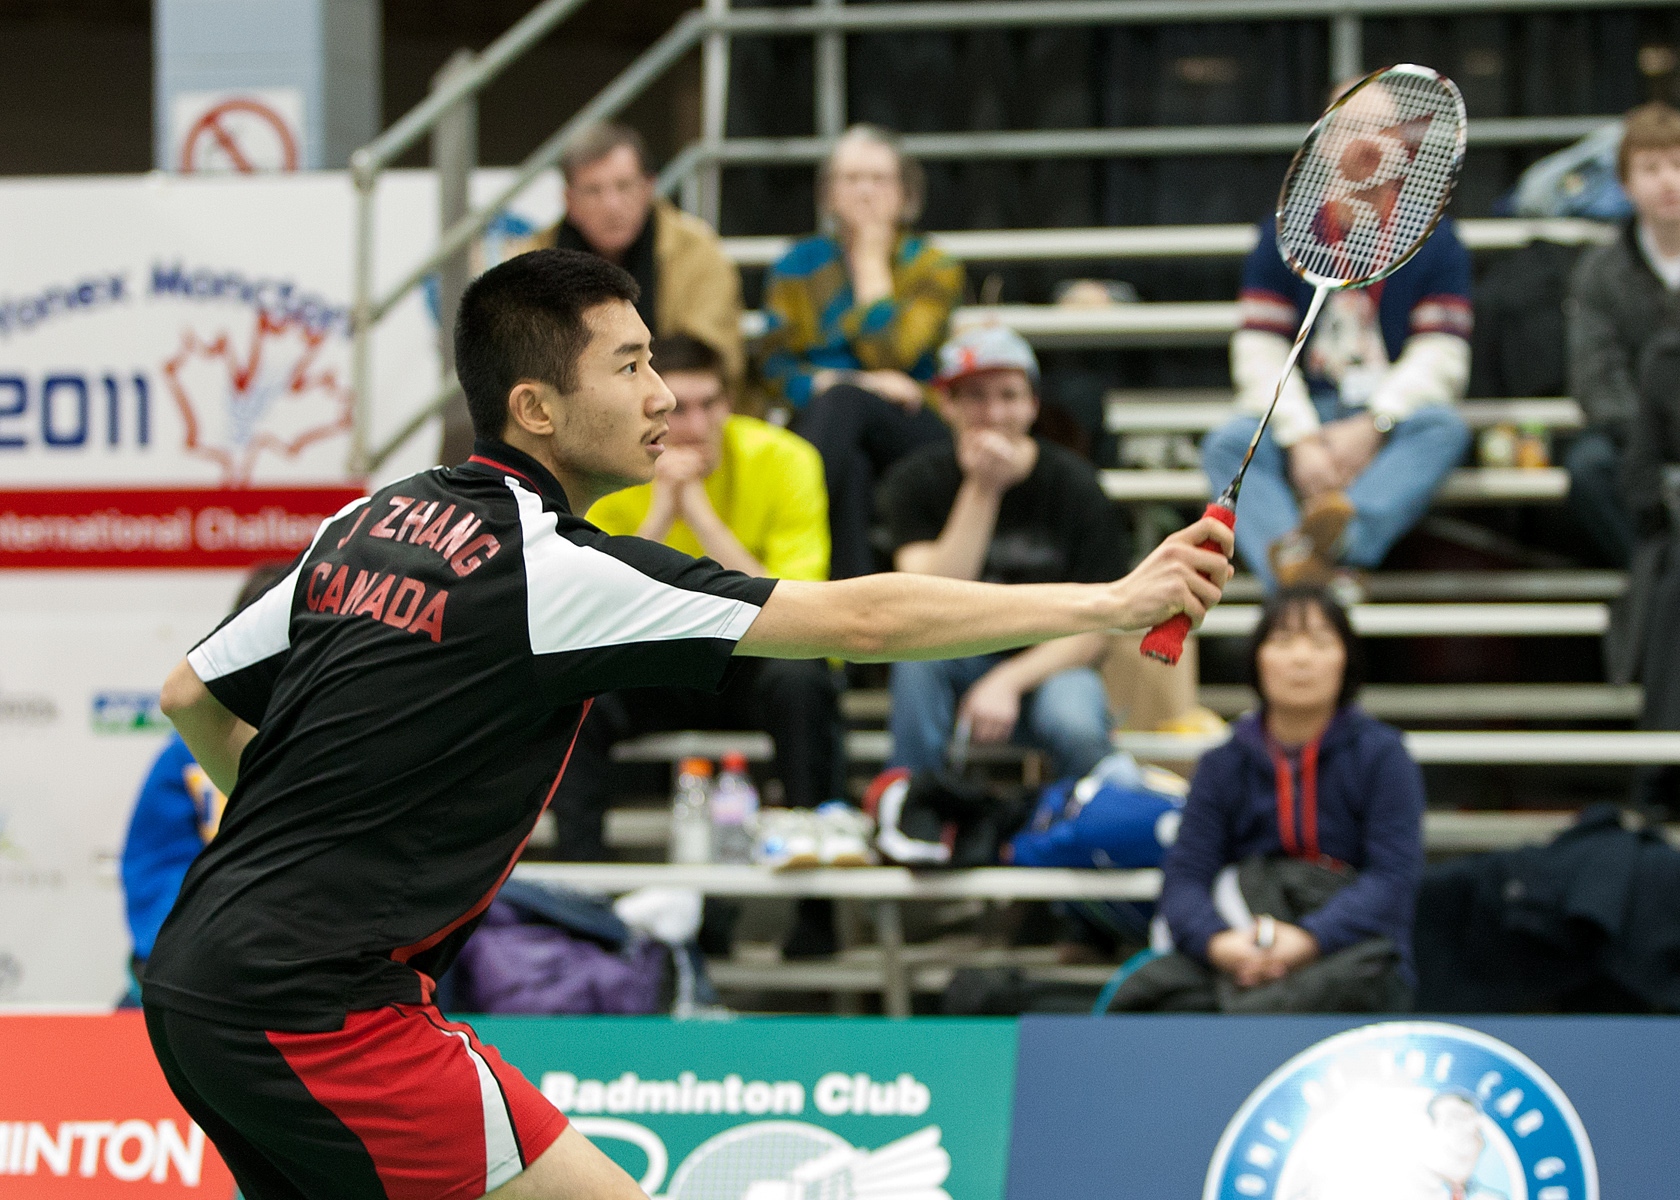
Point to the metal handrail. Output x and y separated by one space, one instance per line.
719 21
1174 241
1137 141
368 311
992 14
495 58
677 41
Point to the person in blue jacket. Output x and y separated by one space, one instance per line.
175 816
1309 776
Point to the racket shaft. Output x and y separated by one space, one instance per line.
1319 293
1165 642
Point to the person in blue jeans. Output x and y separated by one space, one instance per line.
1365 431
1002 506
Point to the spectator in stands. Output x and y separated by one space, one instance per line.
855 317
175 816
749 495
1361 438
1005 507
1651 491
1617 300
688 286
1309 777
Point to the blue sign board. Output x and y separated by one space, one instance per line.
1327 1108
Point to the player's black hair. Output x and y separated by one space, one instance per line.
524 320
685 352
1287 609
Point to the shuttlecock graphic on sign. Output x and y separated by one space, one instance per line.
267 396
912 1168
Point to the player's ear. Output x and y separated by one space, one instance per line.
529 407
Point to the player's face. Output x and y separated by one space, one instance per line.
1000 400
609 429
697 420
1301 662
1653 184
609 201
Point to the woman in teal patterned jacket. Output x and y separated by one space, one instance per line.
855 320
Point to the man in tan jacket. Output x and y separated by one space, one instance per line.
688 286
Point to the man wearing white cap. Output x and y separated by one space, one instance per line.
1001 506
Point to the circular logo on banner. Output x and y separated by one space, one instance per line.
1405 1111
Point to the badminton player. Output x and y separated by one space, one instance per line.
390 719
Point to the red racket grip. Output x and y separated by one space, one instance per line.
1165 642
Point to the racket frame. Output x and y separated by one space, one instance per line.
1323 285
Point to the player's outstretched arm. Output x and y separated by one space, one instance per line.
214 735
882 618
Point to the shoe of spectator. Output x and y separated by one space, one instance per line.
788 839
843 834
1295 562
1306 557
1324 519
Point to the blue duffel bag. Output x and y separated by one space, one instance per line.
1120 815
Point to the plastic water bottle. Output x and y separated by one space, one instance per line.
691 815
734 811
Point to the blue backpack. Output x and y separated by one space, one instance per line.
1577 181
1120 815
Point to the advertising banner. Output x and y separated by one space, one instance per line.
1325 1108
193 335
162 528
85 1115
781 1108
174 408
82 657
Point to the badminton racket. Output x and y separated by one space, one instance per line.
1364 192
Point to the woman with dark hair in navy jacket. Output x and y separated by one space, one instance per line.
1309 776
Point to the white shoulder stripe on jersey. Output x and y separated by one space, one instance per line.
264 629
578 598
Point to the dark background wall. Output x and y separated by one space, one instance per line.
76 77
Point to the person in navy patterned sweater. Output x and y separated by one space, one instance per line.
1366 433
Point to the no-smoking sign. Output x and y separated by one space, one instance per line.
244 132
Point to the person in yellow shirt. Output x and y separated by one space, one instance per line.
751 496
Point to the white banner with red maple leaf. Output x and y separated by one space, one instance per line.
174 362
175 359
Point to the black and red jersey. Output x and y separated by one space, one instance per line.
416 682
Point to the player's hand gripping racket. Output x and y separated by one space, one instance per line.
1365 190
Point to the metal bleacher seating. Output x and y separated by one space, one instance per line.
1525 604
1196 412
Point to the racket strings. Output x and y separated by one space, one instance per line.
1373 177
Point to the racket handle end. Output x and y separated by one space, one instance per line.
1165 642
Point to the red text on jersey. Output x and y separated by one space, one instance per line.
398 601
423 525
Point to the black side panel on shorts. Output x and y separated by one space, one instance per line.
286 1145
